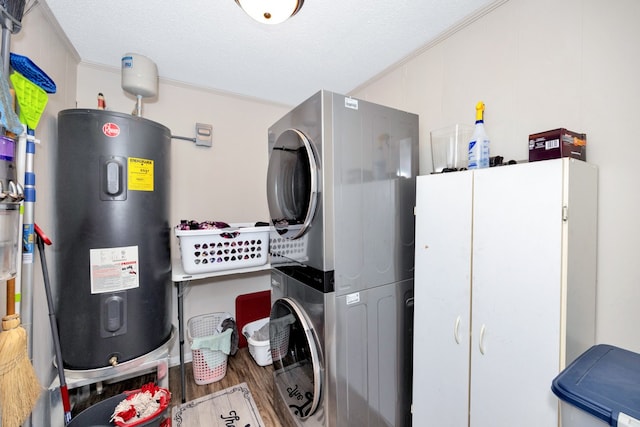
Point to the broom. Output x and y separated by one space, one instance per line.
19 386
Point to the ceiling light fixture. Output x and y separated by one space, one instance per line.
271 11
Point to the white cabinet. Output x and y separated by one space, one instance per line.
504 291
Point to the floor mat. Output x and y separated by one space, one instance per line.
231 406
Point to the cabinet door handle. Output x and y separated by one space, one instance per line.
456 330
481 341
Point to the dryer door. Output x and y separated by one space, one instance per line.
292 183
296 359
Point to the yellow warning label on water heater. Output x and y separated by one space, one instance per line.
140 174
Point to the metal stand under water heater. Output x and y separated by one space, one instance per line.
113 264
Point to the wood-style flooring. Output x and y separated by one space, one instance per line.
240 368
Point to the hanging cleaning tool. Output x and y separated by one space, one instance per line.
479 144
32 99
32 72
19 386
42 239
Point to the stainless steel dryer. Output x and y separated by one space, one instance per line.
341 192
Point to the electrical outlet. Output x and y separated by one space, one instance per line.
204 134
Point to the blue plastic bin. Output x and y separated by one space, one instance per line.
600 388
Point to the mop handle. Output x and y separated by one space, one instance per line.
41 234
41 240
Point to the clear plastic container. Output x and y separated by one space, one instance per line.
9 224
449 147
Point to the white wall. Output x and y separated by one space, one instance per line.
540 65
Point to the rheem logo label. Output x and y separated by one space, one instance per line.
111 129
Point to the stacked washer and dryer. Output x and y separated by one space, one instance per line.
341 193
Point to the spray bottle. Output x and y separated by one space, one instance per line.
479 144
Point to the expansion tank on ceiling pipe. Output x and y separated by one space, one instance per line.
139 78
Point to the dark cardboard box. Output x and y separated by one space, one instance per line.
557 143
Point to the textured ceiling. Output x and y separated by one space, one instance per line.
330 44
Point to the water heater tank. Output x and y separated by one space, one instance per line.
113 261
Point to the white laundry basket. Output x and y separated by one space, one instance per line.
240 246
208 365
260 349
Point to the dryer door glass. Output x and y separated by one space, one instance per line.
292 186
296 359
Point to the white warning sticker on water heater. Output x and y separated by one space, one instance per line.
114 269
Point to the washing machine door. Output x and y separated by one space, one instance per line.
296 359
292 183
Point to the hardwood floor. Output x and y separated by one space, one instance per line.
240 368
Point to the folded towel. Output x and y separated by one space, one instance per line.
8 118
261 334
220 342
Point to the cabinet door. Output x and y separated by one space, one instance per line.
442 300
516 294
